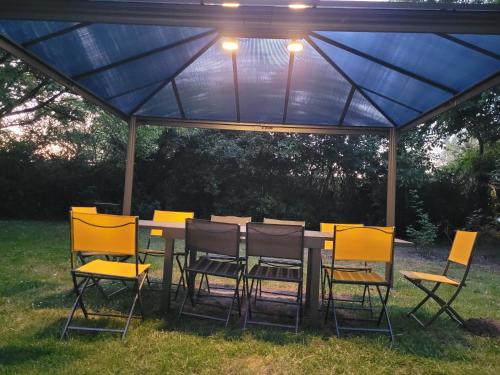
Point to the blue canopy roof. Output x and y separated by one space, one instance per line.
340 78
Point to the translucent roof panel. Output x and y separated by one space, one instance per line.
318 93
163 104
427 55
148 70
98 45
383 80
126 103
182 72
25 31
362 113
206 87
488 42
262 76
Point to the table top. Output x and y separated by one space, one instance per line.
312 238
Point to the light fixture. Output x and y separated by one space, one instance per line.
230 44
297 6
231 5
295 46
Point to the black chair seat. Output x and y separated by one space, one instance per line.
280 261
216 268
275 273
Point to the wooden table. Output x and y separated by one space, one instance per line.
313 242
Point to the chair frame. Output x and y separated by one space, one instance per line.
366 289
80 288
387 283
249 289
190 276
445 306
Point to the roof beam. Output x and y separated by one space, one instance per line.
471 46
175 74
486 84
348 79
342 15
178 99
347 104
288 84
55 34
141 55
236 86
29 58
263 127
385 64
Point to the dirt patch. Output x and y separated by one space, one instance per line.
483 327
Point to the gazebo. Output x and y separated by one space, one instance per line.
324 67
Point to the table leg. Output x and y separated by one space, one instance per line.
168 263
313 281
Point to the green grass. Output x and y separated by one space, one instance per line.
35 298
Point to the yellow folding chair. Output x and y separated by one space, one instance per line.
328 247
365 244
111 235
170 217
460 254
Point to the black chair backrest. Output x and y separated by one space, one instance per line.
275 241
211 237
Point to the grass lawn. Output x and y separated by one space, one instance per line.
35 297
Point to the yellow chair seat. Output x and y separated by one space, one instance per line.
358 277
114 269
422 276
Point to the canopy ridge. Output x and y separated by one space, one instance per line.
288 84
391 99
236 86
348 79
142 55
469 45
385 64
178 98
346 105
175 74
54 34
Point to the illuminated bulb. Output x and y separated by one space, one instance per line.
230 45
231 5
298 6
295 46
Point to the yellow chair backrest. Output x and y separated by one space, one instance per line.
85 210
462 247
369 244
328 228
284 222
240 220
106 234
170 217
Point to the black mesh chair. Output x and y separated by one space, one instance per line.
284 242
211 238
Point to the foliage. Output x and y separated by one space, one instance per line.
423 233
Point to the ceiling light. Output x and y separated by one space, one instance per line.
230 44
231 5
295 46
298 6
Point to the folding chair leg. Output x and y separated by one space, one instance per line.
299 305
386 311
78 302
426 298
232 301
334 310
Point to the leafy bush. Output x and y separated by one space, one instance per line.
424 233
